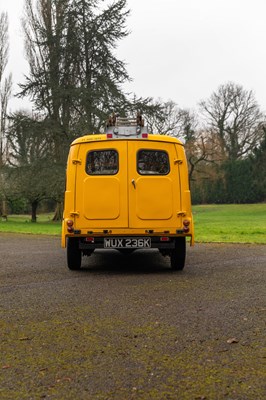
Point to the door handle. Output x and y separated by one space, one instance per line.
133 183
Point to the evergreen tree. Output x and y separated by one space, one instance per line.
258 160
100 73
75 77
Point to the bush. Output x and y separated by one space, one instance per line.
238 181
18 206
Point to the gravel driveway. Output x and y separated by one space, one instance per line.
126 327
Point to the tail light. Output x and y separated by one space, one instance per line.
70 227
186 224
89 239
164 239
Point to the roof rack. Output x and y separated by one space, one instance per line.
123 127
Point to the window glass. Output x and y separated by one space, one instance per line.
102 162
153 162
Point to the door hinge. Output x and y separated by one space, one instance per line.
76 161
178 161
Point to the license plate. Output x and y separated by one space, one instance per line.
127 243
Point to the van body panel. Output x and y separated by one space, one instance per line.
107 204
69 199
153 199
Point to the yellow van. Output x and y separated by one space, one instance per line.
127 190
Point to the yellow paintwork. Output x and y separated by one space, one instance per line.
127 203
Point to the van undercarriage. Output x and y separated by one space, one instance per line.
174 247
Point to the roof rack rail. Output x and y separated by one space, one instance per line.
116 120
124 127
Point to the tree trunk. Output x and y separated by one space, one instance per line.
4 207
34 206
58 215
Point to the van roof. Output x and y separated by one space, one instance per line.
103 137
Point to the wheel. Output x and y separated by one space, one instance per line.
178 254
73 254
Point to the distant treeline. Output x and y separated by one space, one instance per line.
239 181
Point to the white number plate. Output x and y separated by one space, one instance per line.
127 243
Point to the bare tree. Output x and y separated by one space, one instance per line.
5 82
233 115
3 43
166 118
202 151
201 148
5 92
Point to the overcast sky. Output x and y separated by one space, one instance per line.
181 49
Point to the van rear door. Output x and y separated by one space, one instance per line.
154 185
101 186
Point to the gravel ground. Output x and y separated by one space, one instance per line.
126 327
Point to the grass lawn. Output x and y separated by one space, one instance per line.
23 224
235 223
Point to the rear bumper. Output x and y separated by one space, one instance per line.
98 243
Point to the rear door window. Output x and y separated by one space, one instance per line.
102 162
153 162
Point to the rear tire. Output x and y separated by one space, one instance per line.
178 254
73 254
